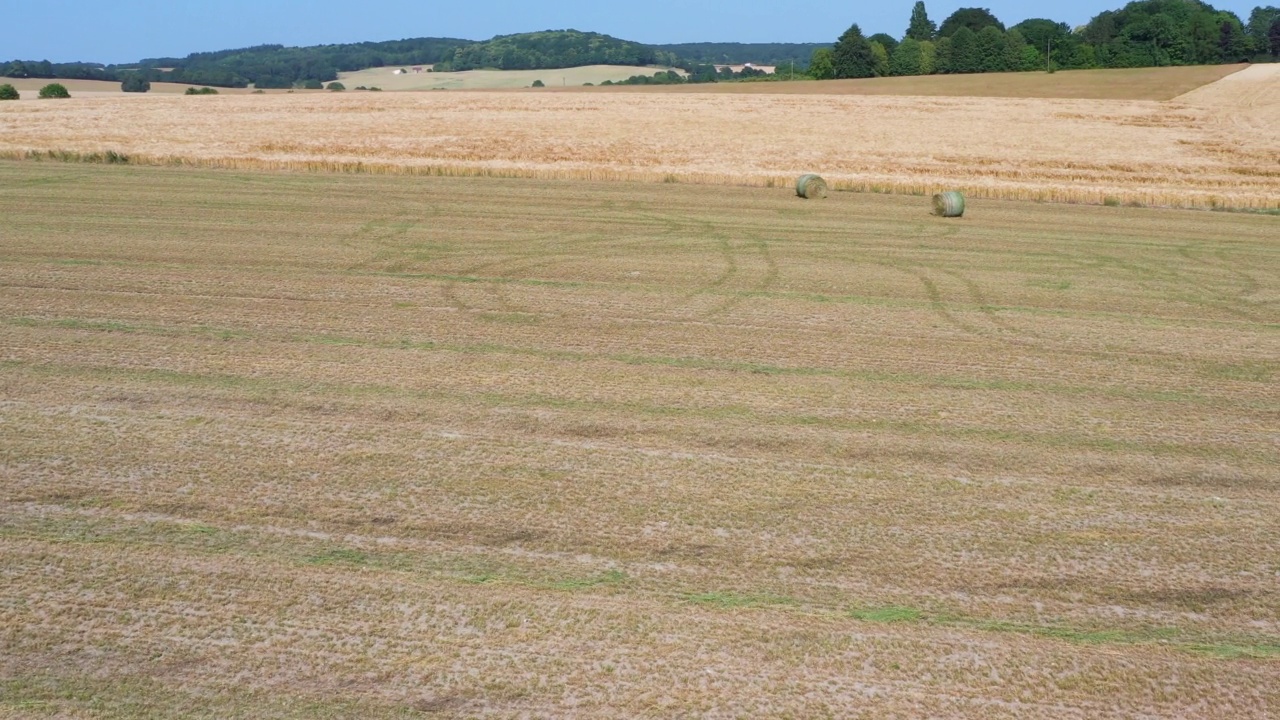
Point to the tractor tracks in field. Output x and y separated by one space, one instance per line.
1180 286
548 250
1249 285
382 236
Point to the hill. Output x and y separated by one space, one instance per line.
277 66
554 49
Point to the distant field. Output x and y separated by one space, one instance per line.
30 87
1129 84
324 446
491 79
1216 147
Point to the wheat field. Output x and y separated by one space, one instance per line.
313 445
1219 150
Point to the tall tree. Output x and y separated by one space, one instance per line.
1273 38
1233 44
852 55
921 29
964 52
973 18
942 56
989 50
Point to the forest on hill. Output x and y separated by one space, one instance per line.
1144 33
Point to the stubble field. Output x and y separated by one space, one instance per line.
1216 147
305 445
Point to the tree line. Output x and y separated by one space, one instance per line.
1146 33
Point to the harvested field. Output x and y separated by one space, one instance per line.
311 445
1162 83
1180 154
492 79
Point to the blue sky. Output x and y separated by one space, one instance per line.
120 31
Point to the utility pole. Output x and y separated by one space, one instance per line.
1048 57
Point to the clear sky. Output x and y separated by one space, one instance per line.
122 31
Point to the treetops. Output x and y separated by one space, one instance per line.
973 40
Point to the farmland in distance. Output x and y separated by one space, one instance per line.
306 445
1215 147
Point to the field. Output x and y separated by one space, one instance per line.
1216 147
491 79
29 88
317 445
1162 83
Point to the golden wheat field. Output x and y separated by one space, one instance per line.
1214 147
317 445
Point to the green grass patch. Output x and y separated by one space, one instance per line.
1259 371
339 556
611 577
1232 651
889 614
75 261
1049 284
731 600
511 318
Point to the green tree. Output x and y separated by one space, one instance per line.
336 87
921 29
852 55
1015 53
885 39
928 57
822 64
1273 38
1258 28
942 56
1233 43
965 57
989 49
312 84
54 90
907 58
1039 32
9 92
881 59
538 83
973 18
135 83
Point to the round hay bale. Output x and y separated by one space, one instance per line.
948 204
811 186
